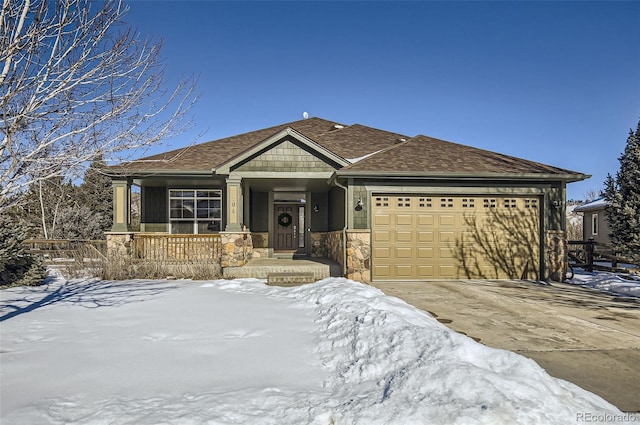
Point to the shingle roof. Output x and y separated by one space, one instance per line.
423 155
371 150
345 141
206 156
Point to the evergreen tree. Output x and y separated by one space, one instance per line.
17 267
79 223
96 193
622 194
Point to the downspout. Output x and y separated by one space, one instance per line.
344 229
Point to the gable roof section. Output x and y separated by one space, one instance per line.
206 156
425 156
227 166
340 140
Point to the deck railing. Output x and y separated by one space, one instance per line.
173 248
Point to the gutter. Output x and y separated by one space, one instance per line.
344 229
569 177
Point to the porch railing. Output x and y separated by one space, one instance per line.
174 248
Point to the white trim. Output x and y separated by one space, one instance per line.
594 224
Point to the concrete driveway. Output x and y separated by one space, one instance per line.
583 336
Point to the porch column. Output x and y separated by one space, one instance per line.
121 206
234 204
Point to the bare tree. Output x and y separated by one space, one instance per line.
76 82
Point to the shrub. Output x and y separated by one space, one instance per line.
17 267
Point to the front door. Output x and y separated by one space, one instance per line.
289 227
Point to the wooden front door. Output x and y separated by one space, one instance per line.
289 232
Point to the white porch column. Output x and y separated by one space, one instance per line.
121 206
234 204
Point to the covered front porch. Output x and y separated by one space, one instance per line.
250 227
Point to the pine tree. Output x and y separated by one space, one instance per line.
17 267
96 193
622 194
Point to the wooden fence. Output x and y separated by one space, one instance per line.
592 255
53 250
176 249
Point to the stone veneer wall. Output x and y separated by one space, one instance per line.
359 255
557 254
319 244
260 242
237 248
119 244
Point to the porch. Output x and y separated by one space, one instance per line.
233 252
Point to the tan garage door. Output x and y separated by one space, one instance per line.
433 237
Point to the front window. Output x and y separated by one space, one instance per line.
195 210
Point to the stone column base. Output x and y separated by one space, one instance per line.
237 248
557 255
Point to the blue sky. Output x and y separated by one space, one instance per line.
554 82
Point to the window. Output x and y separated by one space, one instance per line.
594 225
195 210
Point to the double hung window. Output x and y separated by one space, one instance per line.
195 210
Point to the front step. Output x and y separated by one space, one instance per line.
284 255
289 278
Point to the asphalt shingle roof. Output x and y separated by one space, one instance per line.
371 150
427 155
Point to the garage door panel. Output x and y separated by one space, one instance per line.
446 237
447 271
404 236
445 252
381 220
382 252
447 220
425 272
404 271
404 220
405 253
427 237
425 219
382 272
382 236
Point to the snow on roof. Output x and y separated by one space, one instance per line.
596 204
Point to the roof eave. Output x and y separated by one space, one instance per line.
569 177
160 173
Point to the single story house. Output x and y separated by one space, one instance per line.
594 221
386 206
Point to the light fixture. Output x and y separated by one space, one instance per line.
316 208
359 204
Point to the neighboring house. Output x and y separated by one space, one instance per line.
386 206
595 225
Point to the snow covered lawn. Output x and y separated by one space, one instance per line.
622 284
240 352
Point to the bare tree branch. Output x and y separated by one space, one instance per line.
76 82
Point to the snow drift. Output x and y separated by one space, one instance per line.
241 352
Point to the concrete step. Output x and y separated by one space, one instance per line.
262 268
289 278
